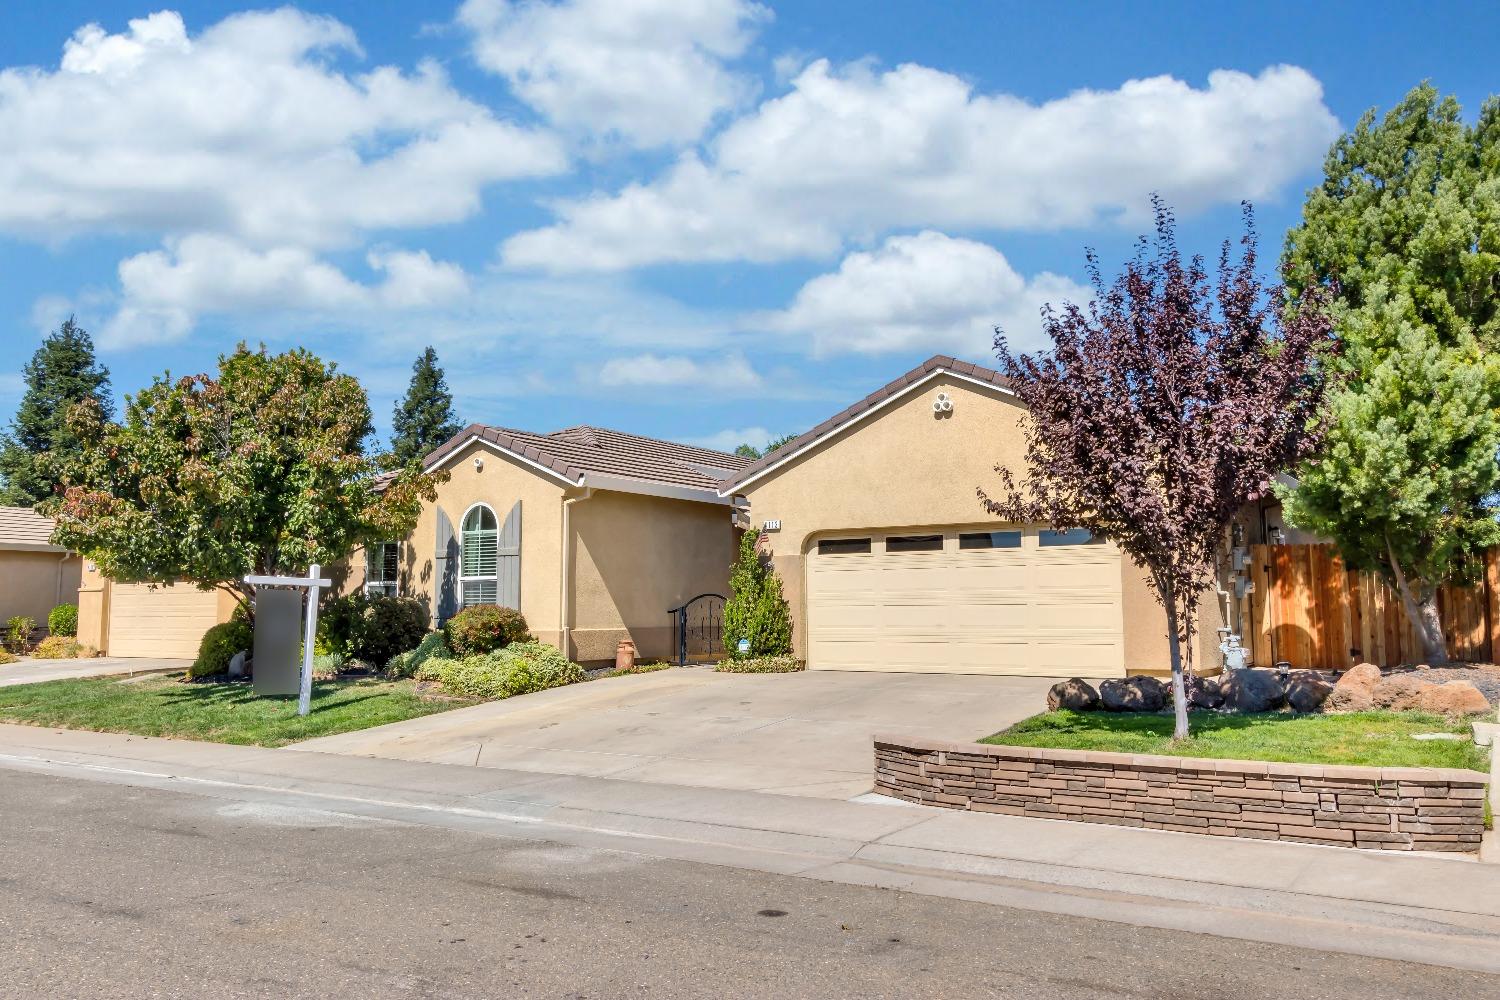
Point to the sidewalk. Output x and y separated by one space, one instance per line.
1436 910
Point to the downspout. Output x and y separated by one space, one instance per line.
565 575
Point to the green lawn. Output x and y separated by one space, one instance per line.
221 713
1377 739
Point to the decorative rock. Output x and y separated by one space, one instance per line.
1133 694
1074 695
1400 693
237 663
1306 691
1202 692
1452 698
1355 690
1251 690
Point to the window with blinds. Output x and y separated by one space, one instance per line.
383 569
478 557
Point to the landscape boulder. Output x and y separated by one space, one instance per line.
1306 691
1073 695
1133 694
1355 690
1251 690
1452 698
1202 692
1399 693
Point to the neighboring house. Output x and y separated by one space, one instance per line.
890 562
595 535
35 575
147 620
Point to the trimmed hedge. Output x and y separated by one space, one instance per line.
408 663
484 628
218 647
760 665
63 620
519 668
371 628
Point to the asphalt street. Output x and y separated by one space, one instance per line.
113 891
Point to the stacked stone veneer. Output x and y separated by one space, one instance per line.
1402 808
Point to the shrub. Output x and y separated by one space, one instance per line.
435 644
484 628
327 666
372 628
18 631
218 647
519 668
756 609
63 620
761 665
6 656
60 647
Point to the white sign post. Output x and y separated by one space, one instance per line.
312 584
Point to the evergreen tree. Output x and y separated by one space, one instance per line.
424 419
756 609
1405 229
62 372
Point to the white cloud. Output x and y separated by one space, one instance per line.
728 440
649 72
730 373
164 292
850 153
928 292
246 129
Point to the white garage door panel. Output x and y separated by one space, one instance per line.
168 621
1029 610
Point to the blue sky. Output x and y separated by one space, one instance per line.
706 220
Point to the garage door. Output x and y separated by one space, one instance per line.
1020 601
168 621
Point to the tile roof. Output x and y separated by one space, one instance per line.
579 451
24 528
895 387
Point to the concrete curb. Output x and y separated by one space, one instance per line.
1415 908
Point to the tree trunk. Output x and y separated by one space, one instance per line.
1422 610
1179 685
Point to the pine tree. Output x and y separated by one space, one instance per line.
1404 230
62 372
424 419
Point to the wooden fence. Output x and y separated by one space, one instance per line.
1307 608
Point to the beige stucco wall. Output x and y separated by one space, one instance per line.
633 558
906 467
500 483
33 583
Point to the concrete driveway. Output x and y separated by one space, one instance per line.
790 734
32 671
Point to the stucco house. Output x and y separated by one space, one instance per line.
35 575
890 563
592 533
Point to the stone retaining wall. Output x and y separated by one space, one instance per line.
1403 808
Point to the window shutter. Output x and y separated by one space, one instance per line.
508 561
445 568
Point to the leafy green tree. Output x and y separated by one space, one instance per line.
747 451
424 419
208 479
750 451
62 372
756 609
1405 230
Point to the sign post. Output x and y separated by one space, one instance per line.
310 585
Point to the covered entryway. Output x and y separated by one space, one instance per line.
1021 601
167 621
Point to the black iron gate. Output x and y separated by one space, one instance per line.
700 628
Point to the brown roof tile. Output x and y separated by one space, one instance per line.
24 528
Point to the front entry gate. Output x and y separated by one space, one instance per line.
700 628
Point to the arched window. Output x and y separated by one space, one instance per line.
478 553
